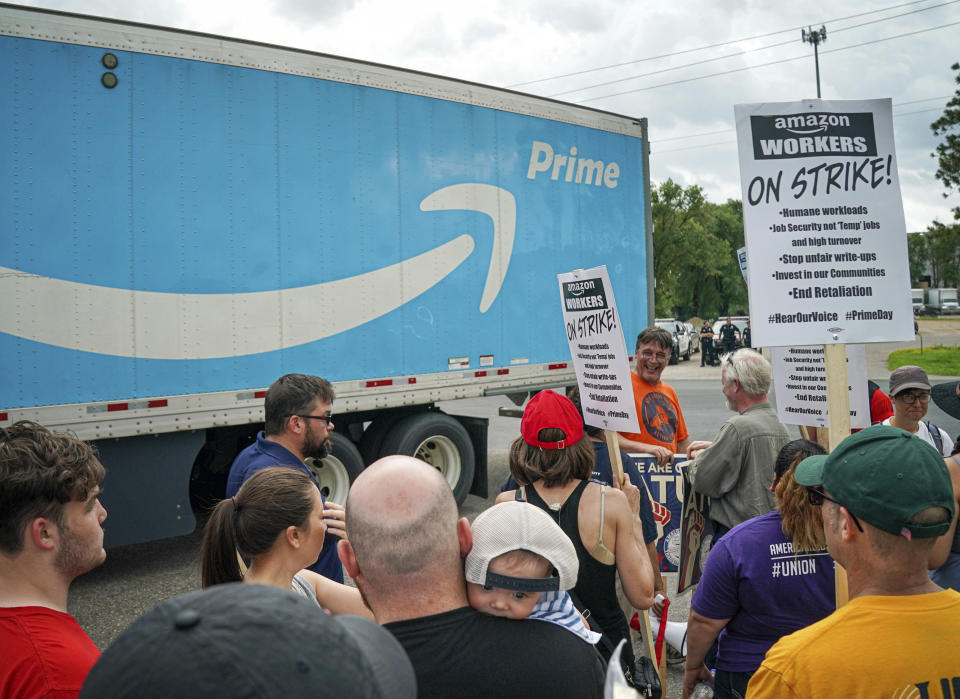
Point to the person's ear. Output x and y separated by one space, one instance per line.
348 558
292 535
43 534
465 536
848 530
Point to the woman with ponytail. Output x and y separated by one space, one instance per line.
767 577
276 522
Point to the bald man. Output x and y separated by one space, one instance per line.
405 554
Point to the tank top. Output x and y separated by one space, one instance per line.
302 587
596 587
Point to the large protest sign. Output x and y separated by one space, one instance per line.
800 381
823 222
598 350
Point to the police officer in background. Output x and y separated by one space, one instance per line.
706 345
729 336
746 336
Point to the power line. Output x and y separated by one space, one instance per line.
737 54
921 111
763 65
705 145
711 46
725 143
720 131
895 104
928 99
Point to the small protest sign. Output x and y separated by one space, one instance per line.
800 381
696 535
597 349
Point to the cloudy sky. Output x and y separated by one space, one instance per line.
681 64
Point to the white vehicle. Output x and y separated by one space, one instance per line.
918 302
681 340
942 302
739 321
694 335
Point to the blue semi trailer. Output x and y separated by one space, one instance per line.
187 217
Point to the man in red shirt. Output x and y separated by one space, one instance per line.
50 532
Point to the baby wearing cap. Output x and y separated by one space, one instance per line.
521 566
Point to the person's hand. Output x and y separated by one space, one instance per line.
664 455
633 495
699 445
659 595
335 517
692 676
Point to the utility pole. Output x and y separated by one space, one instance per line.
815 37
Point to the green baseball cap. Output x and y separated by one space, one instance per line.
884 475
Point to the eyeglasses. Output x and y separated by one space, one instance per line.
659 356
911 398
817 497
730 373
326 418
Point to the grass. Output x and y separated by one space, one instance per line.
938 360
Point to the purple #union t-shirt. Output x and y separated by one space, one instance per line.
753 578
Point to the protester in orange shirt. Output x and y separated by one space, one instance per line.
663 430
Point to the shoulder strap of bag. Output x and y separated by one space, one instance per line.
935 433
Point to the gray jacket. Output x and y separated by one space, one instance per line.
736 471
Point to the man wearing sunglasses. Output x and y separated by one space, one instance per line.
910 391
298 423
886 497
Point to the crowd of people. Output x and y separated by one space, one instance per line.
533 597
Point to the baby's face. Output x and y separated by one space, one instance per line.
497 601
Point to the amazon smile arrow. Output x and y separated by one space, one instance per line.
158 325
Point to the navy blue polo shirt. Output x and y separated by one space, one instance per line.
264 454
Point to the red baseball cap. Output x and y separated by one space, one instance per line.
550 409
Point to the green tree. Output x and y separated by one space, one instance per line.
694 253
725 291
944 254
919 252
948 152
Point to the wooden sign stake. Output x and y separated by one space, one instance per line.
838 405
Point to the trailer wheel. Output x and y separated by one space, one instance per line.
371 443
439 440
338 470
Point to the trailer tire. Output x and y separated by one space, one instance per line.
337 471
440 441
371 442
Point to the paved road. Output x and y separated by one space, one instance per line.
135 578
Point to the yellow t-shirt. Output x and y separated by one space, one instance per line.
874 646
